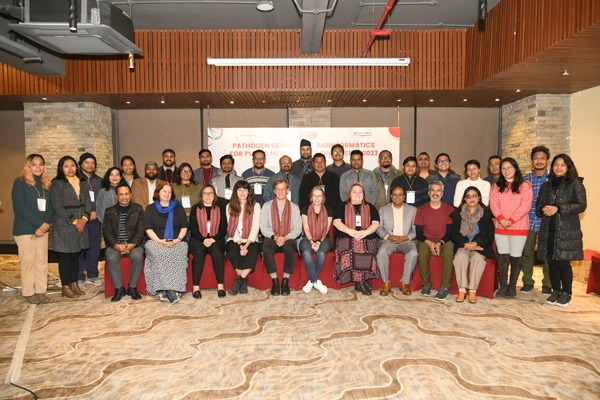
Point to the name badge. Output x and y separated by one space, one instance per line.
92 197
410 197
386 186
41 203
228 193
258 188
289 196
208 227
358 220
186 202
323 187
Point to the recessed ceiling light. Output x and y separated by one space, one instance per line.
44 98
232 102
162 102
399 100
364 100
329 101
518 90
566 73
127 102
464 99
263 101
497 99
431 100
264 5
197 101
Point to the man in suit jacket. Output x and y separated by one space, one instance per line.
397 231
142 189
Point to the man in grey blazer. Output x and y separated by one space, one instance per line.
397 231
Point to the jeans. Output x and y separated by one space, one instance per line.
313 268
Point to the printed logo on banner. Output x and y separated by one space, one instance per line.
214 134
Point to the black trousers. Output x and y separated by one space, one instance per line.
242 262
68 267
560 270
199 251
288 249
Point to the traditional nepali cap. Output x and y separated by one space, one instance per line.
85 156
150 163
305 142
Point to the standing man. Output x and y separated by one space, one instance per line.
434 231
123 231
285 172
88 259
328 180
414 186
142 189
493 169
207 171
424 163
258 175
339 166
398 233
540 155
472 168
361 175
169 171
280 224
223 183
384 174
304 165
445 175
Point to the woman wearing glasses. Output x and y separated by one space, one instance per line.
186 190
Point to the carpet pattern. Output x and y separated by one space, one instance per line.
341 345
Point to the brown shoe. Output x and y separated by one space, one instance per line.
472 297
385 289
32 299
42 298
460 297
75 288
405 289
68 292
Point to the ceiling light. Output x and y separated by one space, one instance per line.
263 101
431 100
72 16
162 102
497 99
44 98
127 102
307 62
329 101
364 100
566 73
264 5
197 101
518 90
464 99
399 100
231 102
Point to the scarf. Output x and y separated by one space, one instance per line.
234 221
215 219
74 182
469 221
317 223
350 215
281 226
167 210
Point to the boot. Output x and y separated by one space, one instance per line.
75 288
502 260
276 289
244 286
515 270
285 287
235 288
68 292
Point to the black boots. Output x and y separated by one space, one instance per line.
275 290
503 260
119 293
515 270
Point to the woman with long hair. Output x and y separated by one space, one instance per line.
473 236
562 198
128 169
510 202
107 197
208 227
166 251
186 190
243 223
33 213
356 222
316 222
72 207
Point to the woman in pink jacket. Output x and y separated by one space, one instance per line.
510 202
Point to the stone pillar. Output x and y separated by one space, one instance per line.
543 119
309 117
58 129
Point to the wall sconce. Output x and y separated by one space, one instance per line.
131 61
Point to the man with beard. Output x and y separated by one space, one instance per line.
207 171
223 183
339 166
328 180
385 174
434 231
360 175
142 189
258 175
424 163
285 172
493 169
540 155
304 165
169 171
414 186
445 175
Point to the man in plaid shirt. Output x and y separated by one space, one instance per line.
540 155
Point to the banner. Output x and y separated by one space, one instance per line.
277 142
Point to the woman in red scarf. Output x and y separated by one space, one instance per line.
208 226
356 222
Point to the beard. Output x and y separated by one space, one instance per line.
150 175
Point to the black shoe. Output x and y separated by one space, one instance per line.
235 288
368 285
285 287
133 292
527 288
546 290
501 292
221 293
244 286
564 299
197 294
553 297
275 290
119 293
511 292
362 288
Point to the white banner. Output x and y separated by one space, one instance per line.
277 142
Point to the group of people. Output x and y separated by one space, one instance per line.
173 211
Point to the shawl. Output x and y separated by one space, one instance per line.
281 226
317 223
234 221
469 221
169 233
215 220
350 215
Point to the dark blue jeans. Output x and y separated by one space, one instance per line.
88 259
313 267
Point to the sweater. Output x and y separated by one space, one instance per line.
513 207
25 207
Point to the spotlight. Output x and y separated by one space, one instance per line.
73 15
264 5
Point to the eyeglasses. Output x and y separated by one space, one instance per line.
508 168
443 162
337 152
186 171
208 193
472 196
385 157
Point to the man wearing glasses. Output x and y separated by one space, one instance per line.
338 166
385 174
258 175
445 175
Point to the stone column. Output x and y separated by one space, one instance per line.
309 117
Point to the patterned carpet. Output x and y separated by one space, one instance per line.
342 345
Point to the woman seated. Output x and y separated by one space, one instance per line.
472 235
243 222
166 251
356 222
107 197
187 191
316 222
208 226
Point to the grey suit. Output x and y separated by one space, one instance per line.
387 248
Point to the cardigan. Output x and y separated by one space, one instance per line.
27 216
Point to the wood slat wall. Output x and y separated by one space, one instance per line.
175 62
518 29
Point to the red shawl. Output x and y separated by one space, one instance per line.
234 221
350 215
283 226
317 223
215 219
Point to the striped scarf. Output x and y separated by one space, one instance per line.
215 218
234 221
317 223
350 215
283 226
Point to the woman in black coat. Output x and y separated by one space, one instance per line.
561 199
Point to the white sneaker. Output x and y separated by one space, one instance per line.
308 287
96 281
320 287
